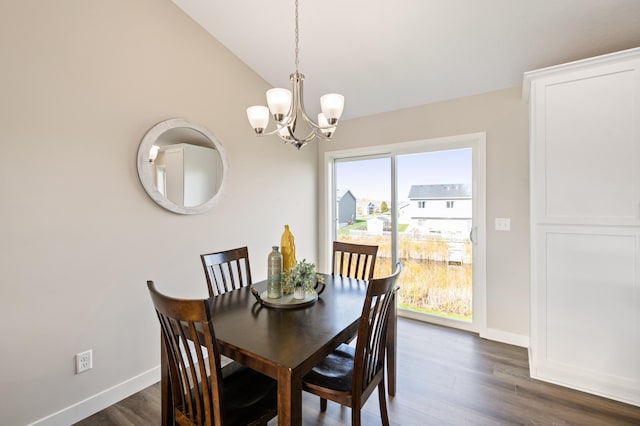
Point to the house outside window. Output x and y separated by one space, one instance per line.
444 209
346 208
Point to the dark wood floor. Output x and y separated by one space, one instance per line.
445 377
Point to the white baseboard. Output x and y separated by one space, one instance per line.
489 333
101 400
506 337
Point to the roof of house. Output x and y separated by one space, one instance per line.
340 193
438 192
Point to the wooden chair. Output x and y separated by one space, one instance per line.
353 260
226 270
349 375
202 393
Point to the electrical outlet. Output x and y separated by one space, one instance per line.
84 361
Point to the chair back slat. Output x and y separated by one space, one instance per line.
354 260
226 270
372 331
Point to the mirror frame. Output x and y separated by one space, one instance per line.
144 170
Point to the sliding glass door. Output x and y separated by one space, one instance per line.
422 205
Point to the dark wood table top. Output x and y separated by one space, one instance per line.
288 337
286 343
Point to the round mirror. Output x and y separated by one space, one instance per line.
181 166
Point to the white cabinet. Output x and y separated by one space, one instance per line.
585 224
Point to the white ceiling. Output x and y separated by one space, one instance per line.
384 55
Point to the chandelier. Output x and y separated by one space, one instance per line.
287 109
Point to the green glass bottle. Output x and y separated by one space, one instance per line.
274 274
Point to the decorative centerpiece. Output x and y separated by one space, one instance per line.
301 287
300 279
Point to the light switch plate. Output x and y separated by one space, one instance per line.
503 224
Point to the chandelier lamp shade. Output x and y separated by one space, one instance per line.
287 109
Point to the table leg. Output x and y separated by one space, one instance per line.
392 332
289 398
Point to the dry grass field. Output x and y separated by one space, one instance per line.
428 282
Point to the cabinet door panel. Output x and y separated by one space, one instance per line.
587 147
588 307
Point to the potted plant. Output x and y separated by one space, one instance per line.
300 279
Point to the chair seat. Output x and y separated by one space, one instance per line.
242 403
335 371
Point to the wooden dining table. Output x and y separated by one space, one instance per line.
284 344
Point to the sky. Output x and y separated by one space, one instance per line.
371 178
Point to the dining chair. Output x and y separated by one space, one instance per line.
353 260
349 375
226 270
203 393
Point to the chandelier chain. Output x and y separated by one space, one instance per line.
297 37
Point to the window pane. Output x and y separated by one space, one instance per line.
434 222
363 206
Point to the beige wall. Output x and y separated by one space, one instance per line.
503 115
80 84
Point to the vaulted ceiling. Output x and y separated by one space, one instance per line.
392 54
